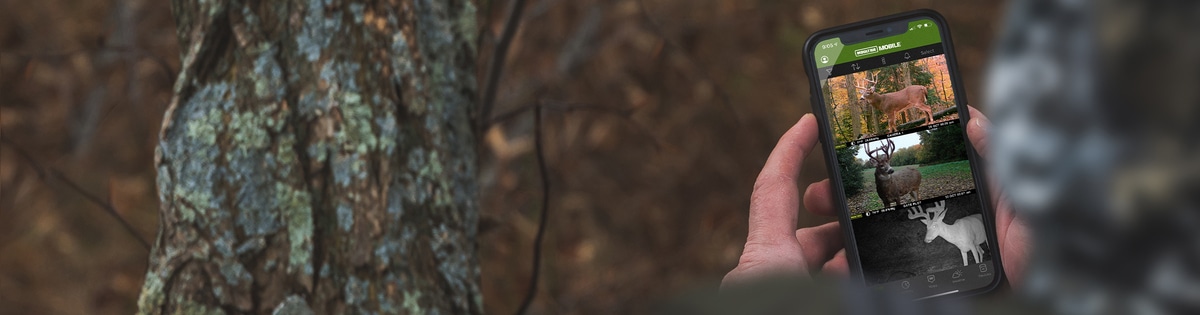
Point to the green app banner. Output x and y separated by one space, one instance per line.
920 33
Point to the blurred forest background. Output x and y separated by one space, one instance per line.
659 117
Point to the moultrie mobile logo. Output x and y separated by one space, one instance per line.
875 49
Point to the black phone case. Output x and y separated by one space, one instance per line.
827 142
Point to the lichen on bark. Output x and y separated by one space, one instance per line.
318 158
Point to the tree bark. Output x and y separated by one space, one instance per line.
827 92
855 112
318 158
873 126
907 75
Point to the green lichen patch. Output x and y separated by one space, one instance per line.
267 76
412 302
205 129
297 212
249 130
152 292
357 120
189 307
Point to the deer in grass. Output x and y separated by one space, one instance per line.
892 103
889 183
966 233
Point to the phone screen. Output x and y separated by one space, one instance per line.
914 208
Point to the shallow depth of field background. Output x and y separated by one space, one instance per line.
651 170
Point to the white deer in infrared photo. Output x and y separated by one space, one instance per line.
966 233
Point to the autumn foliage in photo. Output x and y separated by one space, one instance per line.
854 117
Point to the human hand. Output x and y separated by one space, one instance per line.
1012 233
774 205
773 245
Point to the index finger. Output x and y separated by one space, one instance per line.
818 199
775 203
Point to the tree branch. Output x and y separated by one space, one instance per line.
625 114
499 54
137 52
654 27
541 232
505 116
43 171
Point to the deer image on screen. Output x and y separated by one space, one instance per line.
892 103
966 233
889 183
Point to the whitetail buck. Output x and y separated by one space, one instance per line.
890 184
966 233
892 103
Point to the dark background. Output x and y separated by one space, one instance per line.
892 246
649 194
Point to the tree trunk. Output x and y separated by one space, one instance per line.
317 158
873 126
907 77
855 112
942 86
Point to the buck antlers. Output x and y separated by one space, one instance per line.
863 90
938 210
887 149
966 233
916 213
891 104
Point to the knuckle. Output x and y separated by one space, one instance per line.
772 181
751 259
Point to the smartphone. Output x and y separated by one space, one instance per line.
909 186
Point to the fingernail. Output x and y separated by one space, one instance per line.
979 123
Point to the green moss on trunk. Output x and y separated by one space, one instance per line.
317 158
